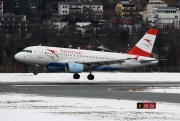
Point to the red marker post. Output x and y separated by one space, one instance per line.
146 105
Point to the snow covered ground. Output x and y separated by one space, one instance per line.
175 90
24 107
21 107
99 77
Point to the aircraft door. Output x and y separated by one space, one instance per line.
40 52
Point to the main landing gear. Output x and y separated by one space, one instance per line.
77 76
90 76
36 70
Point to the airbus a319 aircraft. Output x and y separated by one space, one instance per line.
76 61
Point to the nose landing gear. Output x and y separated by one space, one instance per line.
36 70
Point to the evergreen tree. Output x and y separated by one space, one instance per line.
44 4
23 8
19 7
1 48
25 68
124 37
1 55
9 6
43 15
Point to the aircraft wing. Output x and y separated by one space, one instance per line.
101 63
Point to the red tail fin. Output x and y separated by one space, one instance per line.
145 45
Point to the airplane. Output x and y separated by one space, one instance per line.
75 61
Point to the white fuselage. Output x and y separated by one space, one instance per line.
44 55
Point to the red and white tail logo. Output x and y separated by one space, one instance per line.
145 45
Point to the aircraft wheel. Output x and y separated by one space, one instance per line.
90 77
76 76
35 73
36 70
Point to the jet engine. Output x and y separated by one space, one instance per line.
53 68
72 67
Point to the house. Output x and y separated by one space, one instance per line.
166 16
56 24
33 4
65 8
126 23
126 15
125 8
95 8
72 8
147 13
82 25
1 7
11 23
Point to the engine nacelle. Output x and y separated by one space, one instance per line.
72 67
53 68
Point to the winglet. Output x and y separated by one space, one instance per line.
145 45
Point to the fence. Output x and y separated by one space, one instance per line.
19 69
157 69
152 68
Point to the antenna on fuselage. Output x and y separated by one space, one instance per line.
40 45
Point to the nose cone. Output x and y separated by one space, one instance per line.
18 57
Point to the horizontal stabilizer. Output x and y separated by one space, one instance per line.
144 61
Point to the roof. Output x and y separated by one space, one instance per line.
34 1
92 3
12 16
70 3
127 21
129 5
66 19
80 3
125 2
17 21
91 20
54 19
166 8
78 20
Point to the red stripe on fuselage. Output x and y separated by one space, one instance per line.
152 31
137 51
53 52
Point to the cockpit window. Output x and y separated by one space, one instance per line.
23 51
28 51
